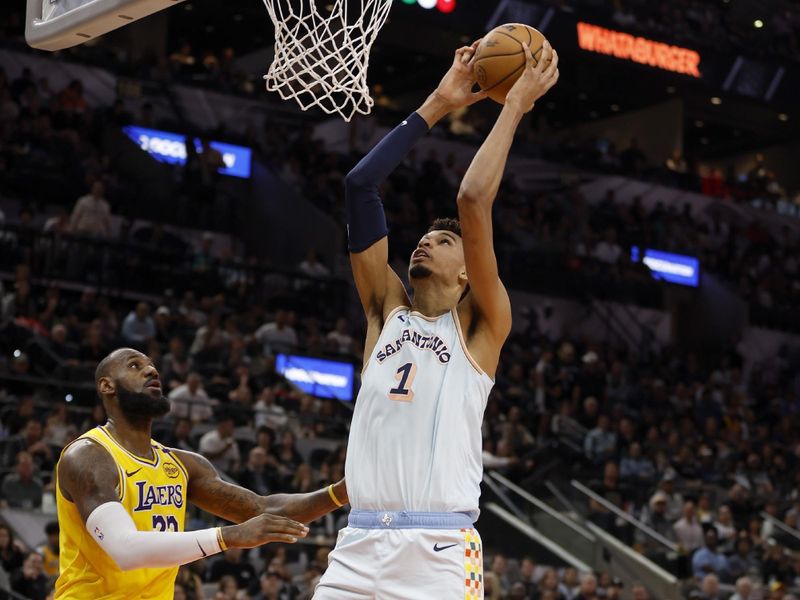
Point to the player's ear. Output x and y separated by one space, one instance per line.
106 385
462 277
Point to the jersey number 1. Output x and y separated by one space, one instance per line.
405 376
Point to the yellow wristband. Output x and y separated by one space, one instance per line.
220 540
333 496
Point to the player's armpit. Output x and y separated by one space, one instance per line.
88 476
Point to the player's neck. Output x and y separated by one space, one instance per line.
134 437
433 300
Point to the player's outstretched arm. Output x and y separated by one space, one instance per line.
479 189
379 288
237 504
89 478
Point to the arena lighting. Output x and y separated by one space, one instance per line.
170 148
444 6
669 267
758 23
318 376
783 117
716 101
618 44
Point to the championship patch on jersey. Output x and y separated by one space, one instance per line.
424 342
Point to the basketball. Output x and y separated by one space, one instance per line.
499 58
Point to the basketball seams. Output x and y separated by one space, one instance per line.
514 72
504 65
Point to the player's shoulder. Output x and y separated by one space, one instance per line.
85 451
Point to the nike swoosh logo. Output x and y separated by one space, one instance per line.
404 123
127 474
201 549
438 548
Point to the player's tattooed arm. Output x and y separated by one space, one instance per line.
307 507
88 477
229 501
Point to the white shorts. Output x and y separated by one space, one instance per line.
404 563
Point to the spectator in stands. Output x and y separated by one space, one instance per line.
209 343
312 267
588 588
175 364
656 518
278 336
637 469
268 413
612 491
726 530
219 446
12 552
63 350
600 444
138 328
232 563
288 456
744 589
257 475
675 503
181 436
22 488
688 531
59 429
71 98
339 339
30 581
30 440
49 550
92 213
743 561
570 584
190 400
639 592
16 416
165 325
710 588
708 559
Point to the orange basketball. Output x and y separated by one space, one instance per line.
499 58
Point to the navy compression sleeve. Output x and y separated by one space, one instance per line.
366 221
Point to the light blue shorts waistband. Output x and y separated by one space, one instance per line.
368 519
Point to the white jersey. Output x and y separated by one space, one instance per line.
415 440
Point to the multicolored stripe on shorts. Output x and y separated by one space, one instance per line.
473 565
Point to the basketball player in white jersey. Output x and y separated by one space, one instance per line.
413 465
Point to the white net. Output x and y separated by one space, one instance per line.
322 56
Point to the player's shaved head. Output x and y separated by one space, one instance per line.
107 365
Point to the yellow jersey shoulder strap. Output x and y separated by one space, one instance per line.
102 439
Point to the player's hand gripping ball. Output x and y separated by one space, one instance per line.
500 60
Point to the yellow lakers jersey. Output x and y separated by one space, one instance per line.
154 494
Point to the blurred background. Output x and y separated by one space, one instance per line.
641 440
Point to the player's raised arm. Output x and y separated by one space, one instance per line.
378 286
237 504
479 189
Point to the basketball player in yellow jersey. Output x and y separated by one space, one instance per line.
122 496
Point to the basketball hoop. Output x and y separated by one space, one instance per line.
322 60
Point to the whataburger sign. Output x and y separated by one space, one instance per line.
638 49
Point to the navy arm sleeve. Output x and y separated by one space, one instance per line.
366 221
